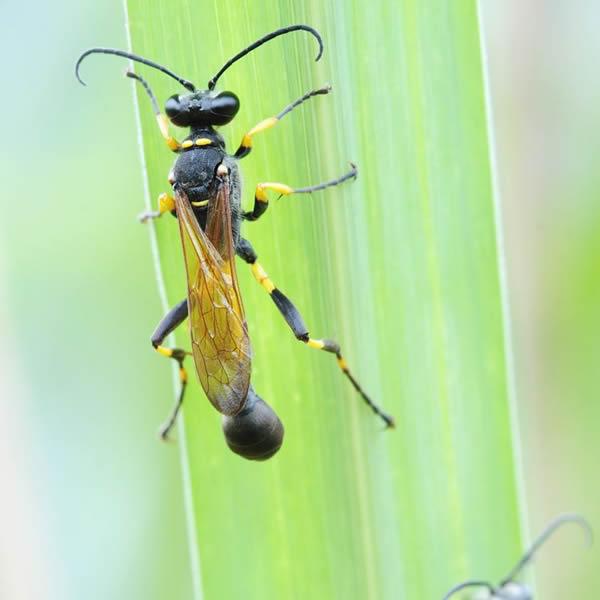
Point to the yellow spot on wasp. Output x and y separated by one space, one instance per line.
187 144
200 203
164 351
203 142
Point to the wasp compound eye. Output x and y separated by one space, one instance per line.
256 433
224 107
177 109
172 106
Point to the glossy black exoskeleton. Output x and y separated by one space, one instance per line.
206 199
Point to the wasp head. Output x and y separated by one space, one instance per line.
202 108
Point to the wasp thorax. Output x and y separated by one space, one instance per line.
256 433
202 108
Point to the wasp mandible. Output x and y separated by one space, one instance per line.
206 200
509 589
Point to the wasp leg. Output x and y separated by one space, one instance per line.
294 319
169 323
246 144
261 200
161 119
166 203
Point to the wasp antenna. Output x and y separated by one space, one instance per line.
466 584
146 86
184 82
543 537
261 41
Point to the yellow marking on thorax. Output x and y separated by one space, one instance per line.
200 203
198 142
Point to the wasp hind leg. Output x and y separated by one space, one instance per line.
296 323
169 323
261 200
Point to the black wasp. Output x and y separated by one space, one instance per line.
207 203
509 589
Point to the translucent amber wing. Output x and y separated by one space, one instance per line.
220 343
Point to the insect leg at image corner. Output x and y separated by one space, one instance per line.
508 588
207 203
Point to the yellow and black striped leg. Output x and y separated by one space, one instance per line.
171 320
166 203
294 319
161 119
261 200
246 144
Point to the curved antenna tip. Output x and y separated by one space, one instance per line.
281 31
466 584
122 53
543 537
581 521
77 64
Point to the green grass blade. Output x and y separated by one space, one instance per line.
401 267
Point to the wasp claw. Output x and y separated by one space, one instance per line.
147 215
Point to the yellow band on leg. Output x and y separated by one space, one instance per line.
317 344
261 276
280 188
168 352
183 377
165 203
163 125
342 364
262 126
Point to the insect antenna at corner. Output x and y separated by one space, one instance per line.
509 588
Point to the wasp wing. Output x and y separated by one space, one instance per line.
220 342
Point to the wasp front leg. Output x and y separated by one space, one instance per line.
246 144
296 323
161 119
177 315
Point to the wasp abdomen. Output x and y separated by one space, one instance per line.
256 433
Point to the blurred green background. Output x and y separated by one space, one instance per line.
91 505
